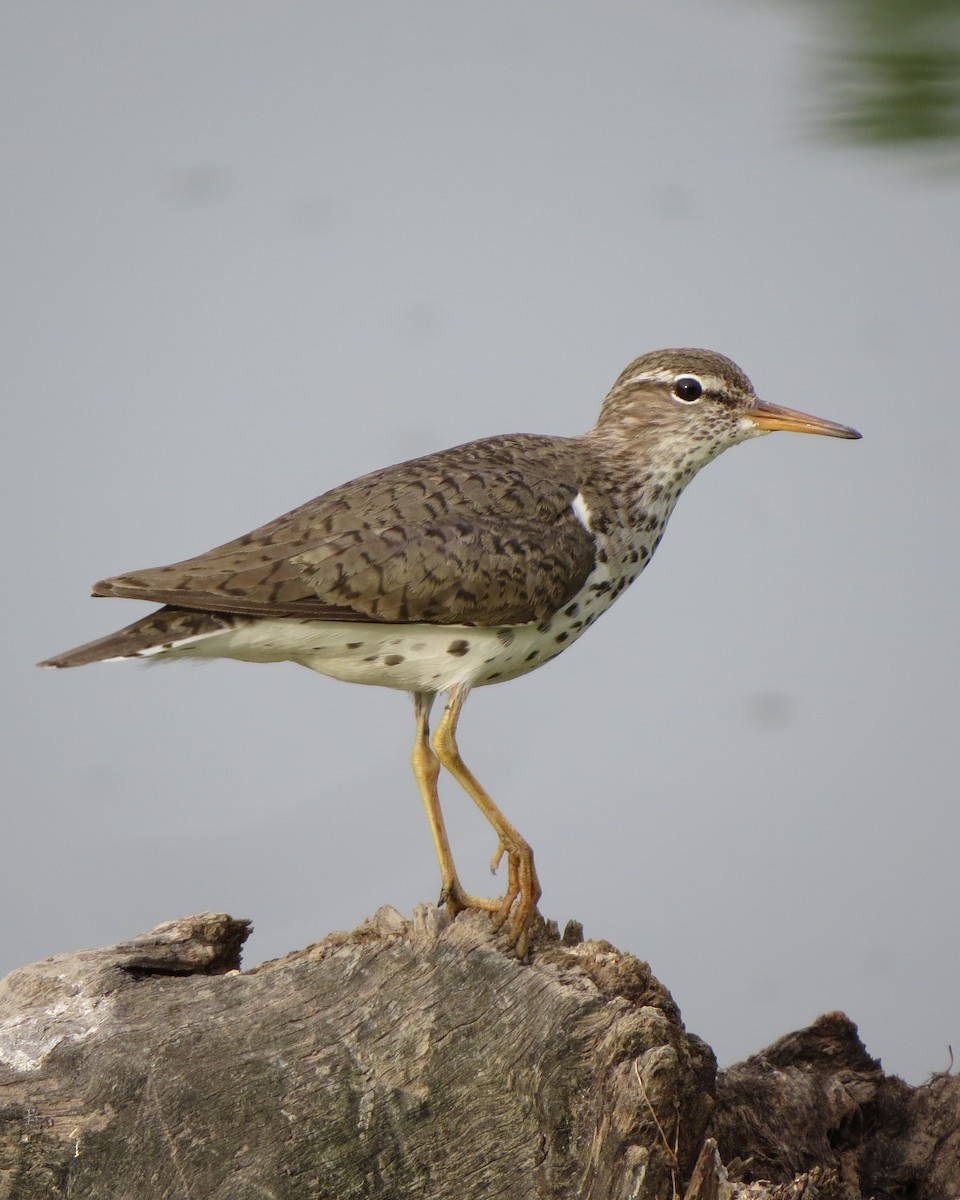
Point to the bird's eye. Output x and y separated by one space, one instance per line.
687 388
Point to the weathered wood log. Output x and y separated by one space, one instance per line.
815 1106
416 1059
405 1059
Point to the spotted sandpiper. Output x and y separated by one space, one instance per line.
470 566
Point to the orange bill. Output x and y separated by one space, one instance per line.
772 416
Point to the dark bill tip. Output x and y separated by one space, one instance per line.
769 417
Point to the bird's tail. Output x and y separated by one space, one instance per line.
164 630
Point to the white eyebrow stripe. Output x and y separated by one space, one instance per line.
710 383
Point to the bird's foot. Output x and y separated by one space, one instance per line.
516 911
456 900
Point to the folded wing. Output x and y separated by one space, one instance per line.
453 538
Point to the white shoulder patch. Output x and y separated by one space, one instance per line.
581 512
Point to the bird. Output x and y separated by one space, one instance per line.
459 569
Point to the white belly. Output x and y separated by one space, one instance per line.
413 658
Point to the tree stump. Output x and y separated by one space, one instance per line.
418 1060
406 1059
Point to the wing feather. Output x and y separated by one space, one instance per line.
464 537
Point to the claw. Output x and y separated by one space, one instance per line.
511 894
515 912
519 906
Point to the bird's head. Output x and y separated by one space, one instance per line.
686 406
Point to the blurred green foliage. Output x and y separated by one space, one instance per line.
894 72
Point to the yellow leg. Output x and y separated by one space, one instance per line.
523 887
426 769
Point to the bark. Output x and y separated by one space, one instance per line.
816 1107
418 1060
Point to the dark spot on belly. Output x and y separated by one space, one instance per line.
371 658
505 636
491 678
571 610
459 647
532 655
561 637
544 627
392 660
354 645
